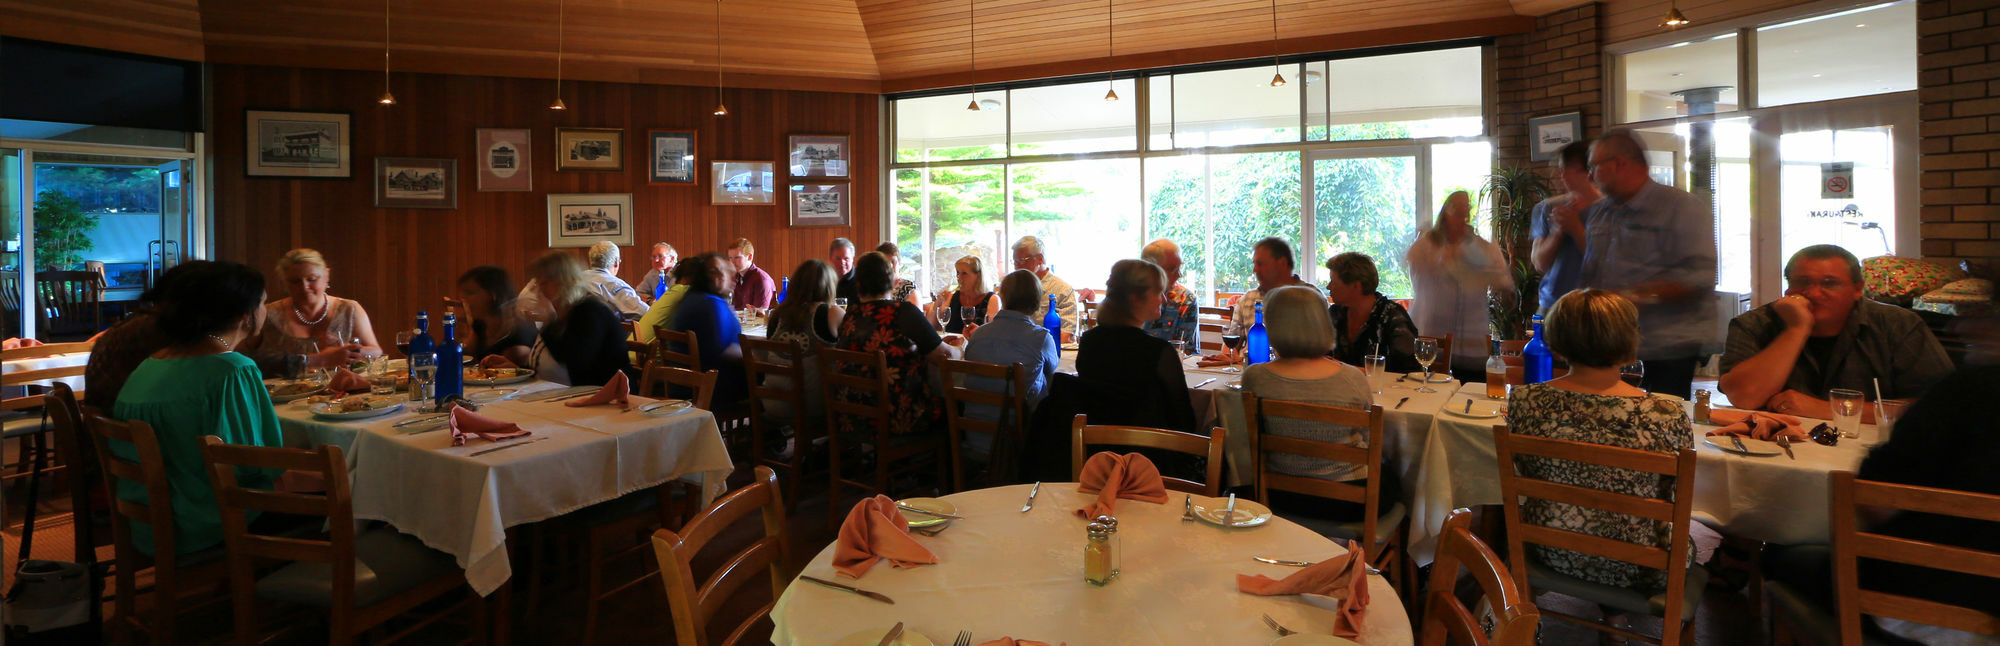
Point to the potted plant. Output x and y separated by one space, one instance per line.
1513 192
62 230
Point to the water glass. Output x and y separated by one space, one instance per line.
1374 364
840 302
1886 414
1847 405
423 379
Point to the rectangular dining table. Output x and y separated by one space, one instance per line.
462 504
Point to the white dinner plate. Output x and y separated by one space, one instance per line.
1481 408
521 374
873 637
287 390
932 504
495 394
665 407
1248 513
377 406
1756 447
1309 639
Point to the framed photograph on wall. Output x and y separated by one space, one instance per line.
287 143
1552 132
590 149
416 183
673 156
584 219
818 156
505 156
735 183
819 205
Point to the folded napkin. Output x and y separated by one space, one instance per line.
1341 577
1009 641
1757 425
875 529
345 381
1112 476
465 422
616 391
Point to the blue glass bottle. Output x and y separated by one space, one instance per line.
1258 340
422 354
784 286
450 361
1053 323
1537 365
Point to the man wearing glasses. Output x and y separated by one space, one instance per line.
1822 335
1654 245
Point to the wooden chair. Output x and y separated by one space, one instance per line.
175 575
1383 527
694 606
640 353
1446 619
71 302
1443 362
767 364
360 581
82 476
654 382
1684 584
1227 300
1008 430
1083 435
1210 324
1851 543
24 420
10 303
664 342
857 391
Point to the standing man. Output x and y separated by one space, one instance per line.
754 288
660 278
841 256
603 281
1028 256
1558 225
1177 314
1271 261
1654 245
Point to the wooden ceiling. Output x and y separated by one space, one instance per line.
842 45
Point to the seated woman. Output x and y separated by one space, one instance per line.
662 309
971 292
1301 336
809 318
1364 320
485 307
198 386
1118 356
898 330
583 343
705 311
326 330
904 289
1598 331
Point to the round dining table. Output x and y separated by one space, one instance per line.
1003 572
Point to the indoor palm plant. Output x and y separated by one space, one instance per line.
1513 192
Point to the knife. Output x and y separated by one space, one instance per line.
1405 400
872 595
1199 385
1286 563
504 447
928 512
424 419
894 632
1229 515
1031 498
1738 441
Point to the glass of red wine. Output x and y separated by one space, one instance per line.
403 341
1234 342
1633 373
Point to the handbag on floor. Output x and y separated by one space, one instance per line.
47 597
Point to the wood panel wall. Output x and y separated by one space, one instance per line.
397 261
167 28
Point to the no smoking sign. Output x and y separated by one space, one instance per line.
1836 180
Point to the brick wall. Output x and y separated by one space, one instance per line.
1556 68
1958 81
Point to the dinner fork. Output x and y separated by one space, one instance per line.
1282 631
964 638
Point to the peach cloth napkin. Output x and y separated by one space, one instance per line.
465 422
1757 425
874 529
1112 476
1009 641
616 391
345 381
1341 577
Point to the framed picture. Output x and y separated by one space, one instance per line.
504 159
1553 132
740 183
819 156
584 219
416 183
590 149
673 156
819 205
286 143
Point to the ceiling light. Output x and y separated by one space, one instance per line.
972 105
972 40
1674 18
989 104
1278 73
1278 80
1111 95
720 109
1110 45
558 105
387 98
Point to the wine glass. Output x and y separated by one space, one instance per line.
403 341
1234 343
1633 373
317 375
942 311
965 315
1427 352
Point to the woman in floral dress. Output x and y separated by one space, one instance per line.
899 331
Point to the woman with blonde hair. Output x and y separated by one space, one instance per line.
970 292
583 342
1451 268
325 330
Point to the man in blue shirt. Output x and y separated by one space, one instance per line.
1654 245
1558 224
1013 336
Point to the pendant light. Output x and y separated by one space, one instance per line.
559 105
1674 18
1278 72
720 109
388 98
972 33
1110 43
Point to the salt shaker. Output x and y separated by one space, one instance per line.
1097 555
1701 407
1117 544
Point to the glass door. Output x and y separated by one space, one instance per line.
14 321
1368 201
176 185
1845 177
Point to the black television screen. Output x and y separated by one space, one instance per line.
66 84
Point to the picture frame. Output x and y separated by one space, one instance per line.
818 156
673 157
416 183
741 183
585 219
299 144
506 159
1550 133
590 149
819 205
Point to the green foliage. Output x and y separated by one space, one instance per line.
62 230
967 208
1514 191
100 189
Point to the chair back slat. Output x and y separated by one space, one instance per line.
45 350
863 395
1659 510
693 606
664 342
1850 500
70 300
766 358
1084 435
1007 430
741 568
148 469
659 376
1446 619
327 462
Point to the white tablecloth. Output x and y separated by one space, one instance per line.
44 363
462 505
1005 573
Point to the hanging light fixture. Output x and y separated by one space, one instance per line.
1110 43
1278 72
559 105
972 33
388 98
720 109
1674 18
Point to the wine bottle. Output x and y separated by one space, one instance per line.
783 287
450 362
1053 323
423 360
1537 365
1260 341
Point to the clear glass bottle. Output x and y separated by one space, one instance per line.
1496 374
1097 555
1117 544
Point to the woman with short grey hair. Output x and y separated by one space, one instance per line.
1301 335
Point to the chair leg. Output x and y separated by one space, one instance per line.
833 516
595 593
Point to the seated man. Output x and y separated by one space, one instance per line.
1012 337
1821 335
1177 321
1028 255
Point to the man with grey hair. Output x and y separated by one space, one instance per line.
1654 245
660 278
840 255
1178 312
1028 256
602 280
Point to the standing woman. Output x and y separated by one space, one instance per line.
485 308
1452 267
329 331
971 292
583 342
